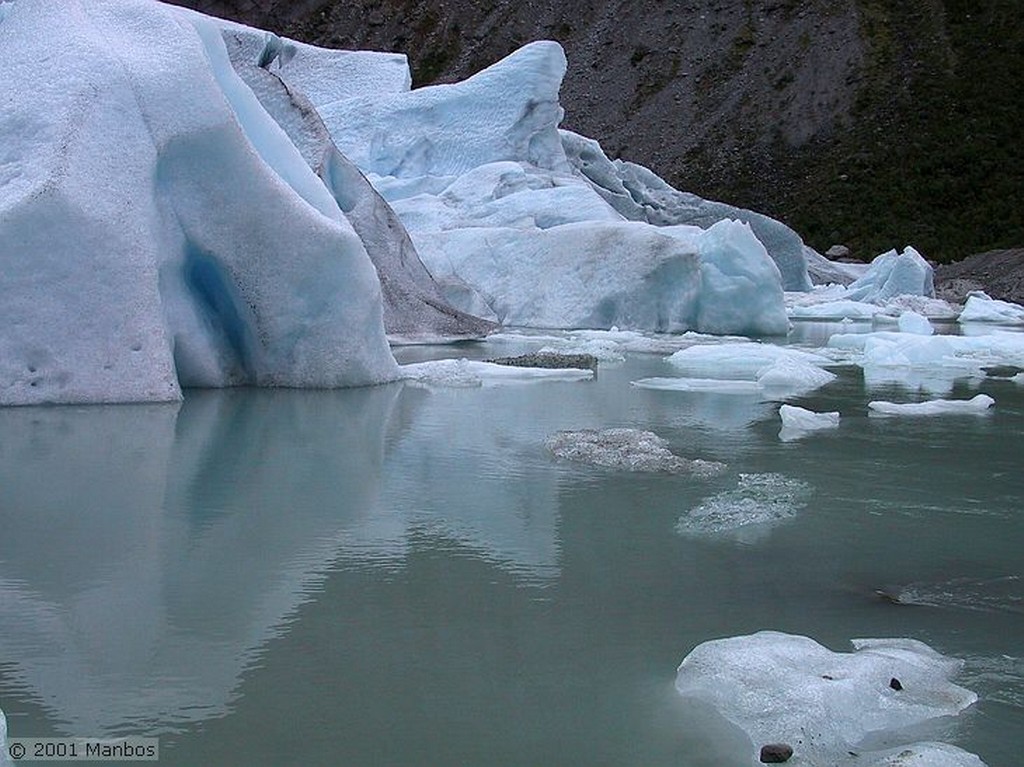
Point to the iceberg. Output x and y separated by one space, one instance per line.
628 449
894 274
785 688
478 174
981 308
798 422
978 404
150 244
641 195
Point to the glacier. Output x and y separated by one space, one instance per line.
207 204
478 173
159 228
783 687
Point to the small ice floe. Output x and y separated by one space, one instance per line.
706 385
912 322
469 373
981 308
628 449
798 422
750 510
976 405
789 690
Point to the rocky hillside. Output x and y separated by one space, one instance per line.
869 123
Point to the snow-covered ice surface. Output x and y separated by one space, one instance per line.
466 373
798 422
151 244
977 405
785 688
627 449
981 308
749 511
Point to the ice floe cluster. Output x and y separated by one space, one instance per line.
745 368
627 449
866 707
929 362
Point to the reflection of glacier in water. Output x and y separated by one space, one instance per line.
150 553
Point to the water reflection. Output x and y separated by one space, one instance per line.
149 552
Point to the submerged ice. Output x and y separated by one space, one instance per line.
628 449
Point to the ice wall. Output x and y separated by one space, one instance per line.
158 227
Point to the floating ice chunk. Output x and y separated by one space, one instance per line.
839 309
750 510
709 385
912 322
471 373
977 404
929 362
741 361
787 376
785 688
1018 379
629 449
797 422
893 274
981 308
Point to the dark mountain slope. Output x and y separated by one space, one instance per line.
873 123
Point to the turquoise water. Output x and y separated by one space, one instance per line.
405 576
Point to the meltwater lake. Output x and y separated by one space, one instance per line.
404 575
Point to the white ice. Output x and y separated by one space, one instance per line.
932 362
641 195
978 404
153 244
706 385
477 173
784 688
893 274
627 449
740 361
462 373
798 422
981 308
912 322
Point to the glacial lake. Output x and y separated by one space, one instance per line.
405 576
